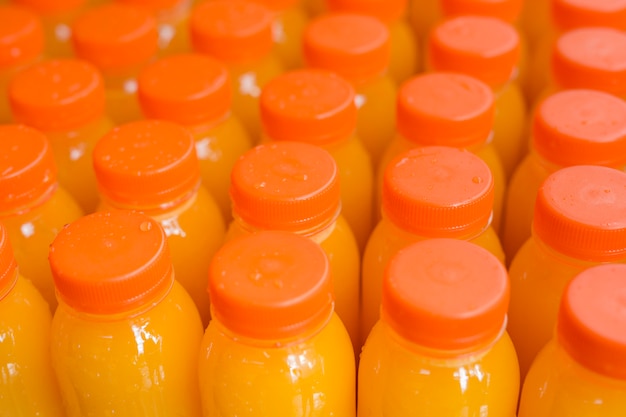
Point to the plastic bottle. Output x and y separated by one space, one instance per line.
294 187
447 109
119 40
28 386
21 45
571 127
488 49
152 167
405 50
317 107
56 17
239 33
274 347
194 90
429 192
581 372
440 347
535 21
32 205
357 48
579 222
289 22
506 10
65 99
126 335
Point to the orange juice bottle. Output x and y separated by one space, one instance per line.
275 347
357 48
65 99
172 18
405 54
582 371
194 90
579 222
314 7
429 192
571 127
126 335
57 17
447 109
21 45
151 166
489 49
32 205
120 40
317 107
507 10
28 386
535 21
239 33
440 347
294 187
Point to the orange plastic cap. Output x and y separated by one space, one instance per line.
188 89
388 11
592 58
445 109
271 286
287 186
57 95
8 265
146 164
21 36
313 106
115 36
592 319
483 47
573 14
507 10
438 192
581 127
354 46
278 5
155 6
111 262
27 169
446 294
580 211
51 7
233 31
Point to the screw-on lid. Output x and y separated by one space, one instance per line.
278 5
446 294
146 164
581 127
313 106
115 36
386 10
27 168
187 89
592 319
8 265
21 36
356 47
484 47
111 262
572 14
287 186
154 6
271 286
49 7
445 109
591 58
233 31
580 211
438 192
57 95
507 10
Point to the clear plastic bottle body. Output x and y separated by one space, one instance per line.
287 32
509 126
405 51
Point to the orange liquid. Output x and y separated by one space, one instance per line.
57 30
288 27
122 104
423 14
28 387
557 386
314 376
405 51
509 127
397 379
173 33
142 363
386 240
31 234
535 20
